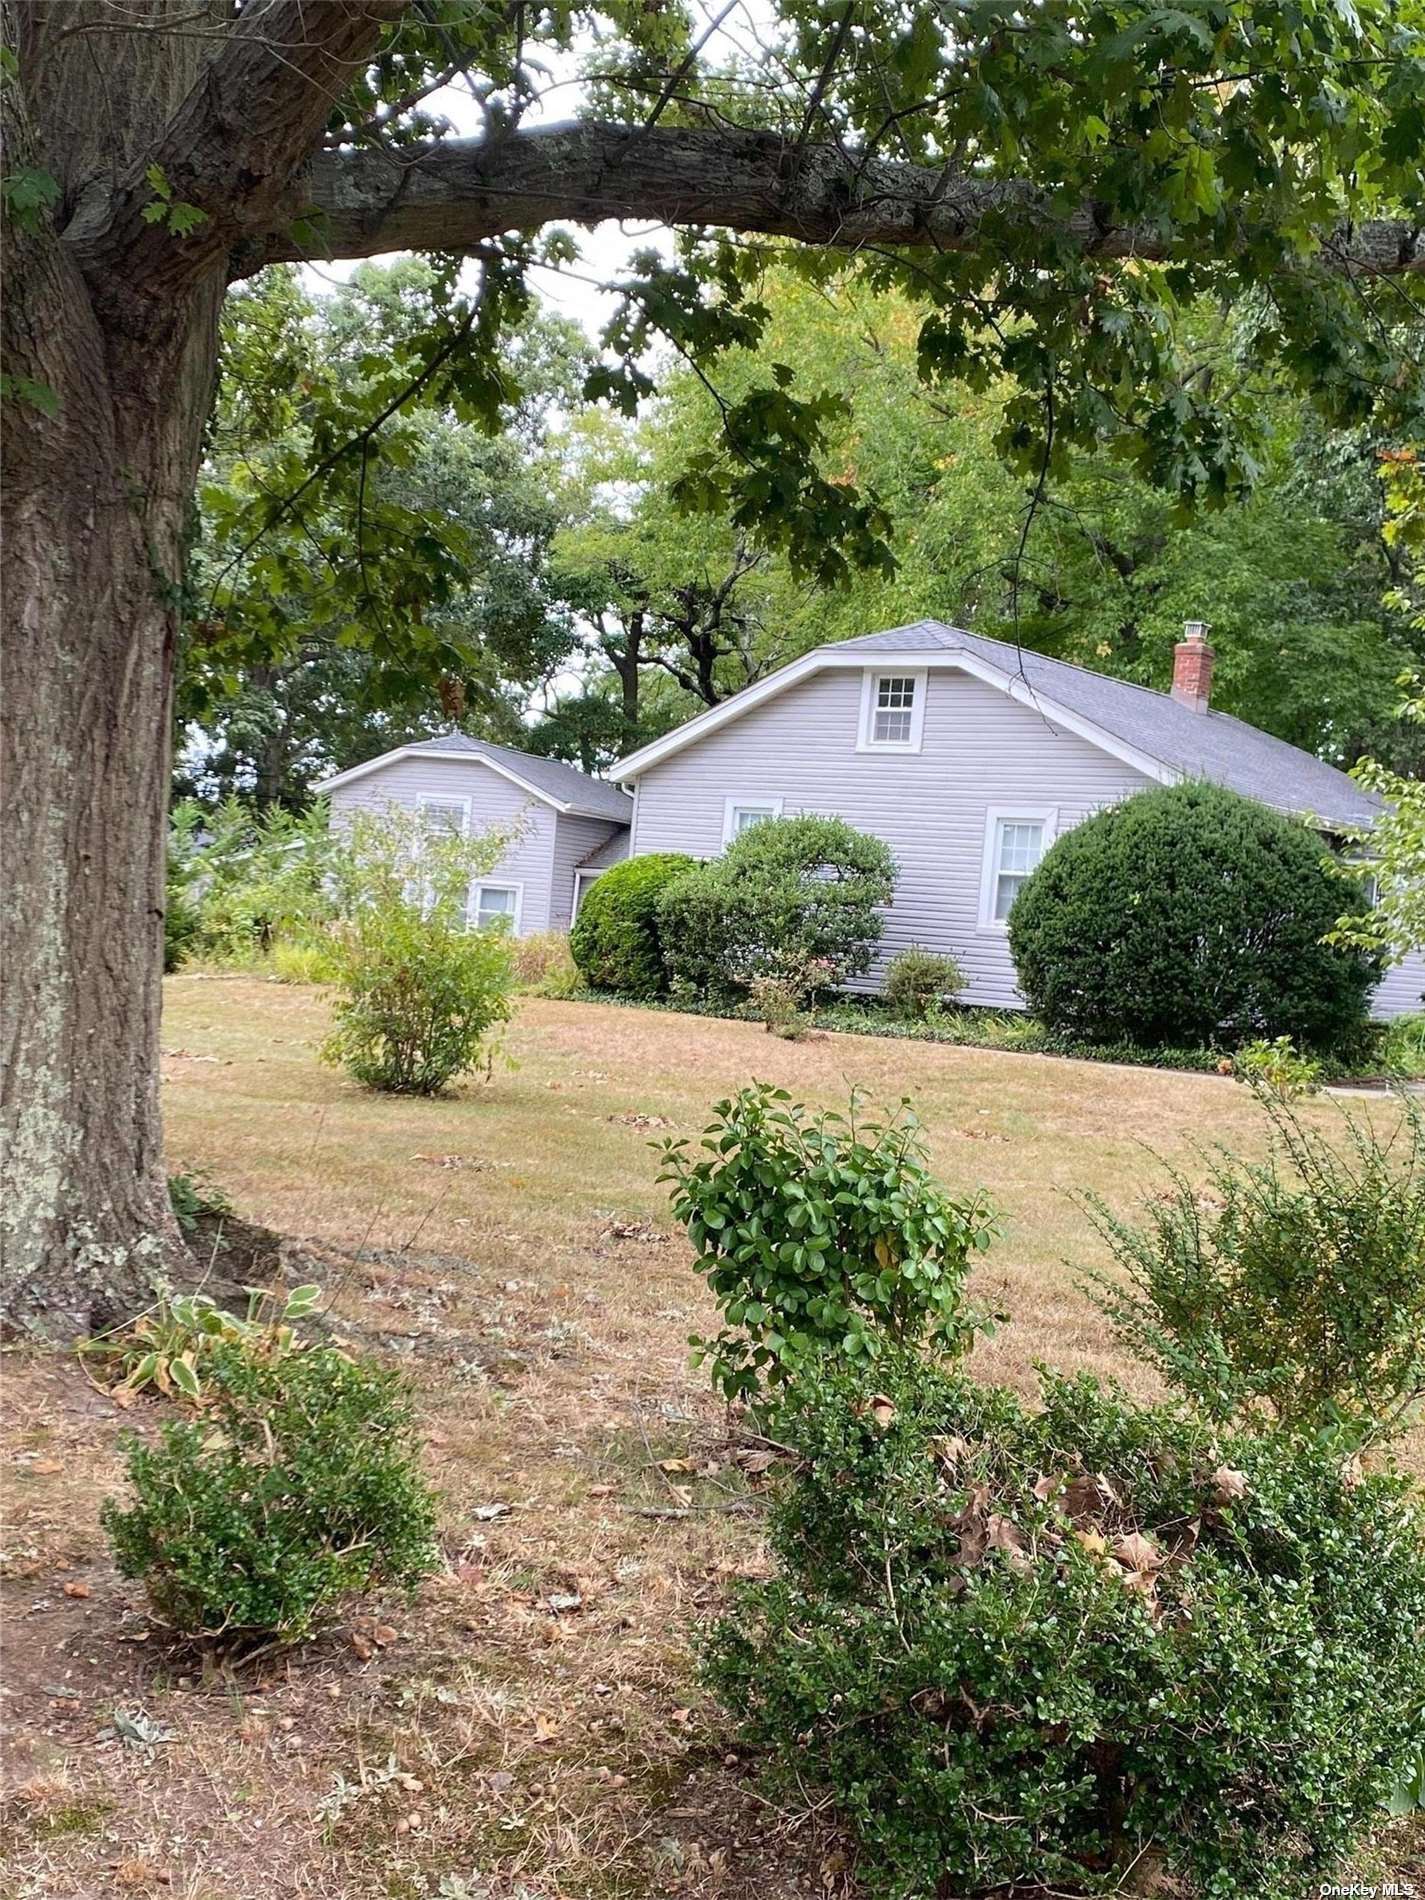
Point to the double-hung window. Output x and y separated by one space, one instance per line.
1015 841
892 712
442 815
741 814
495 906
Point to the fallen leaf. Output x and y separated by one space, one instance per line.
1138 1553
544 1729
77 1590
1003 1534
363 1645
1229 1486
384 1635
881 1409
487 1513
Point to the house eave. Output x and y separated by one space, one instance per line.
354 772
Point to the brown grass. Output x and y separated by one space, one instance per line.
512 1244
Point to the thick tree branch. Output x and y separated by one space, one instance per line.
232 147
456 194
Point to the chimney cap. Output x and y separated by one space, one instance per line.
1194 629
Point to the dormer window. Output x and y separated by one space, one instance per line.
892 712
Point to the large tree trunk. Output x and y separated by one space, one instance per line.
94 526
110 334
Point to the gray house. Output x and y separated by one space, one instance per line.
968 756
570 827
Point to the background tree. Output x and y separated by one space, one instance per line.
1054 187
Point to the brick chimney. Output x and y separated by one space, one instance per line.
1192 668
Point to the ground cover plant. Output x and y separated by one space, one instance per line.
1189 915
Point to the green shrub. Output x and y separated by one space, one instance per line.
1188 915
1292 1288
297 1488
181 925
248 879
1278 1067
1078 1650
820 1231
919 981
615 940
788 894
1401 1049
420 990
310 960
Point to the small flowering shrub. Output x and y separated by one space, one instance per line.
1278 1067
820 1232
1084 1649
296 1487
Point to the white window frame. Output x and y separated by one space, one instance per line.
479 884
769 808
870 691
995 816
436 798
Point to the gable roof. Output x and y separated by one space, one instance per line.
1148 729
551 781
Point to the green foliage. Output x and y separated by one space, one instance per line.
192 1196
1391 855
1075 1648
240 881
1290 1290
1188 914
616 939
420 991
820 1232
182 923
174 1346
789 897
1279 1067
919 981
1402 1048
297 1488
163 208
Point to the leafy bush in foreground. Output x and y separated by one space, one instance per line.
787 895
1292 1288
296 1488
1184 915
1067 1648
615 940
820 1231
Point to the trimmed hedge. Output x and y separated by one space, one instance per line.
1189 915
615 940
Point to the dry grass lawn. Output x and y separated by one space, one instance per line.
512 1244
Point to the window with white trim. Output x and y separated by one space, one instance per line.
444 814
741 814
495 906
1015 841
892 712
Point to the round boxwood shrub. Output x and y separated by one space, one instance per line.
298 1487
1189 916
795 899
615 939
1085 1648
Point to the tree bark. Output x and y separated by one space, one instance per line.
110 328
457 194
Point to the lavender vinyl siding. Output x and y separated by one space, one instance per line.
576 839
1402 989
980 752
494 801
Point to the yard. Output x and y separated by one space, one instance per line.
531 1724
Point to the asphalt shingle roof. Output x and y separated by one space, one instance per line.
1211 745
589 797
613 850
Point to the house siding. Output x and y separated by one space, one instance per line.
494 801
979 751
575 838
